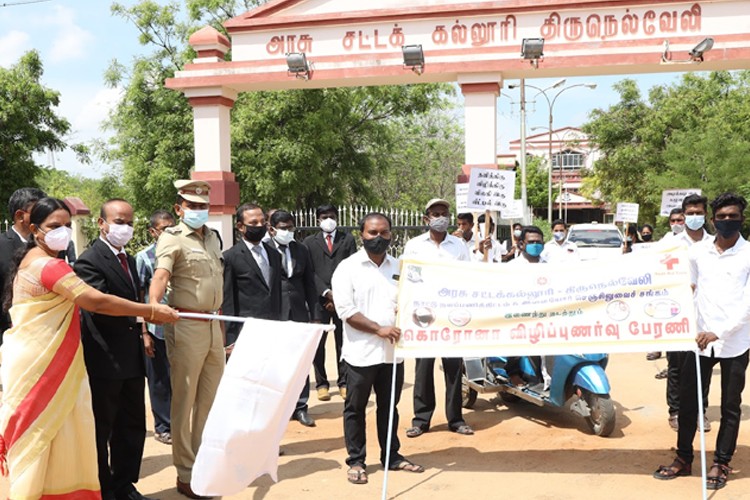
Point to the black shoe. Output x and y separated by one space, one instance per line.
303 418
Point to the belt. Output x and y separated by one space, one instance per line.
180 309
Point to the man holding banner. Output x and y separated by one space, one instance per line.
720 273
437 244
365 293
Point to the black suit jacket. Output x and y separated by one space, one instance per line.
112 345
299 296
325 262
10 243
246 293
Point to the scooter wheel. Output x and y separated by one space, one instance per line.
602 418
468 396
508 397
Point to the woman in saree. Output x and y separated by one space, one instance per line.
46 421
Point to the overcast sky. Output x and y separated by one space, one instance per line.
77 40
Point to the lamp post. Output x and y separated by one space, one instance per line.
551 106
560 168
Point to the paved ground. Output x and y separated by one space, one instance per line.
519 451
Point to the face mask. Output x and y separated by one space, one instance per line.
194 218
254 234
534 249
728 228
376 246
559 235
119 234
646 237
517 233
58 239
695 222
439 224
284 236
328 225
677 228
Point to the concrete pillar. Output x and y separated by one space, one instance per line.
212 136
79 215
480 117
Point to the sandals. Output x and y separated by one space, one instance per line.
415 431
653 355
463 429
678 468
356 474
718 482
406 465
662 374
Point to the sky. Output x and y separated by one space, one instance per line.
78 39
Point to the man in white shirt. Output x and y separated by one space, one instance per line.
694 210
531 246
465 230
676 224
720 274
495 251
365 294
437 244
559 250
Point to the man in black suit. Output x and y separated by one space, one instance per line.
113 351
252 274
19 207
327 249
298 290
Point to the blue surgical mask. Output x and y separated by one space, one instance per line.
534 249
695 222
559 235
194 218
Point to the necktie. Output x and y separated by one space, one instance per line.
265 269
124 264
284 261
329 241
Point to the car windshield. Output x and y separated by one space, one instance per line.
604 238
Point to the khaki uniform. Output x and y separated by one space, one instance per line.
195 348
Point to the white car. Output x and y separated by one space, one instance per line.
596 241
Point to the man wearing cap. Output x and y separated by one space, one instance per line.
188 258
437 244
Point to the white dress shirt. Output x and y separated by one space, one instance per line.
555 253
451 248
722 295
361 286
251 246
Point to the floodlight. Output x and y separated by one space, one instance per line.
532 49
298 65
413 58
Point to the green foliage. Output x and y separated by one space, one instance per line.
291 149
537 182
691 134
28 124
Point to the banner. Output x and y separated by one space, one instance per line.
672 198
629 303
491 189
256 396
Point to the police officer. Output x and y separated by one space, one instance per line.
188 258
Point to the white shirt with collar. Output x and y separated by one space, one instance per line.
251 246
451 248
287 257
722 295
555 253
494 255
683 239
521 260
361 286
19 235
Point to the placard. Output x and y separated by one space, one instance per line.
627 212
672 198
515 211
491 189
462 194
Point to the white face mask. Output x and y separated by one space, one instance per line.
284 236
328 225
119 234
57 239
677 228
517 233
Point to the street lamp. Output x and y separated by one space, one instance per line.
560 180
551 106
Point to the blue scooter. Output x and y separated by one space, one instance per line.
576 378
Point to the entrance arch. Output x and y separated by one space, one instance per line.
474 43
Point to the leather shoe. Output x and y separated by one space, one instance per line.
342 392
185 489
133 495
163 437
324 394
303 418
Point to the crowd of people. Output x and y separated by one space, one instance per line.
80 342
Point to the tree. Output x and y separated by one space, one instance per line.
291 149
690 134
537 182
28 124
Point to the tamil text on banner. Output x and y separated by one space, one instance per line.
256 397
672 198
629 303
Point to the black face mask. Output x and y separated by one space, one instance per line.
254 234
646 237
376 246
728 227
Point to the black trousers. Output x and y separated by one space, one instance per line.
674 374
361 381
120 421
159 386
732 385
424 392
319 362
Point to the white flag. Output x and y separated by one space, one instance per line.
256 397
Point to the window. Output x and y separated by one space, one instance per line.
569 159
